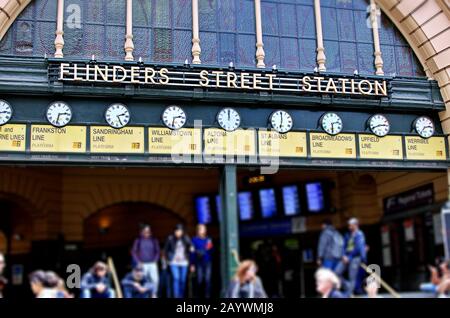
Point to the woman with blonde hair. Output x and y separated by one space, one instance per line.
245 283
328 284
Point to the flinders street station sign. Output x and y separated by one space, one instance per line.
218 78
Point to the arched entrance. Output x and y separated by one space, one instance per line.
111 230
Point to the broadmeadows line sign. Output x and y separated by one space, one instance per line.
219 79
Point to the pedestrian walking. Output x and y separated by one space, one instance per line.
246 284
146 252
201 262
354 254
330 247
177 251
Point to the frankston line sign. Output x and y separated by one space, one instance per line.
271 81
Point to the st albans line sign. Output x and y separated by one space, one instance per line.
271 81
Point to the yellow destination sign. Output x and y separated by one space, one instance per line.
12 137
240 142
110 140
46 138
432 148
326 146
373 147
273 144
167 141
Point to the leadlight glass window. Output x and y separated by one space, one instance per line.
289 33
162 32
227 32
348 41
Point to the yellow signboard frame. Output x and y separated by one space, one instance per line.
220 142
166 141
342 146
433 148
68 139
13 137
383 148
127 140
273 144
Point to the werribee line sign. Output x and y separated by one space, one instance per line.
270 81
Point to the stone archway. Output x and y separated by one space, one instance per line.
118 224
16 225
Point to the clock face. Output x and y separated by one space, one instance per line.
174 117
424 127
281 121
59 114
117 115
379 125
331 123
5 112
229 119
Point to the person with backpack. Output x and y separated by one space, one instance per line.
330 248
146 252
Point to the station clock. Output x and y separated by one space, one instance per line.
174 117
5 112
59 114
424 127
281 121
379 125
331 123
117 115
229 119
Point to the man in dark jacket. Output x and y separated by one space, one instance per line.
354 254
96 283
329 250
177 252
146 252
137 285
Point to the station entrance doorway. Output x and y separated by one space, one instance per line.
55 216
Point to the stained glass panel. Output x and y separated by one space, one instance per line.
244 11
209 47
269 14
207 15
366 59
162 45
141 13
182 46
142 47
349 60
333 62
306 22
116 12
289 53
246 50
307 54
226 10
182 10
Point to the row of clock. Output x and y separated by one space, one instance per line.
118 115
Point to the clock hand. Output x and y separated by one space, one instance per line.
426 128
118 118
380 125
57 118
228 114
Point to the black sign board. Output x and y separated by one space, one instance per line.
410 199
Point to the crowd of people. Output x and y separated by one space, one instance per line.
339 272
